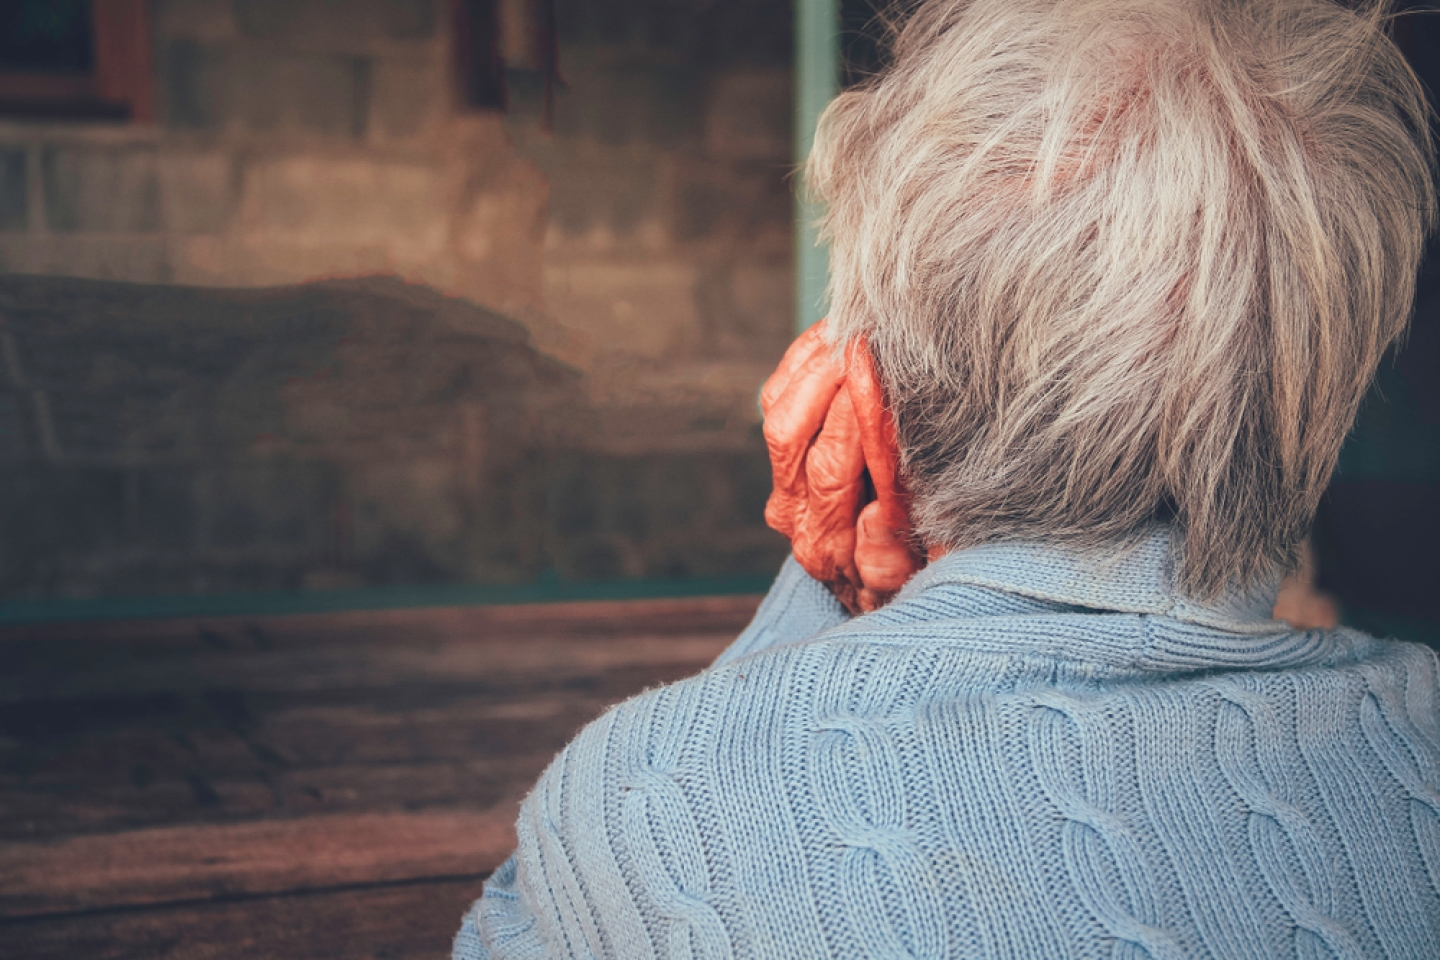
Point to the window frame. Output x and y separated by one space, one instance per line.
119 87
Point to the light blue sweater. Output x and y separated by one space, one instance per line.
1027 754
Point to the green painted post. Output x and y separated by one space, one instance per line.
817 80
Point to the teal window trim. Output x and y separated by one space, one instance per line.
817 80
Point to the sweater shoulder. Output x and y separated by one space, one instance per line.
732 810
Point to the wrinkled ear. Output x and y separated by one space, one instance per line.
885 548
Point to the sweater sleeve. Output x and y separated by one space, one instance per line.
539 903
609 862
797 607
500 913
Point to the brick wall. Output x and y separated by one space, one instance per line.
646 239
172 441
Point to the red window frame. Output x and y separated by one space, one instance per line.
120 87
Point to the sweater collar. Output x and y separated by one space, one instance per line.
1136 578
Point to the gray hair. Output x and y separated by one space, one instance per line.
1123 260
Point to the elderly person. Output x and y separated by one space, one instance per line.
1110 278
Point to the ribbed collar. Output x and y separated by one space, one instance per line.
1134 579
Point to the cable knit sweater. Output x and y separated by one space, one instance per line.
1029 753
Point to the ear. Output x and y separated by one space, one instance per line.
885 548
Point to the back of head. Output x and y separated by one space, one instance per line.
1120 260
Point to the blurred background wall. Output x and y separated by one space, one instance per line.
641 231
332 295
610 175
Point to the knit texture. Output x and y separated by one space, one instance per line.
1029 753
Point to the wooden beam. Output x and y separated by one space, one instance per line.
216 861
817 80
412 920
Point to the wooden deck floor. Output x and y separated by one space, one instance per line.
297 787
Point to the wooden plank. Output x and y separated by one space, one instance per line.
299 653
252 755
213 722
359 662
390 923
496 623
271 856
58 813
259 787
